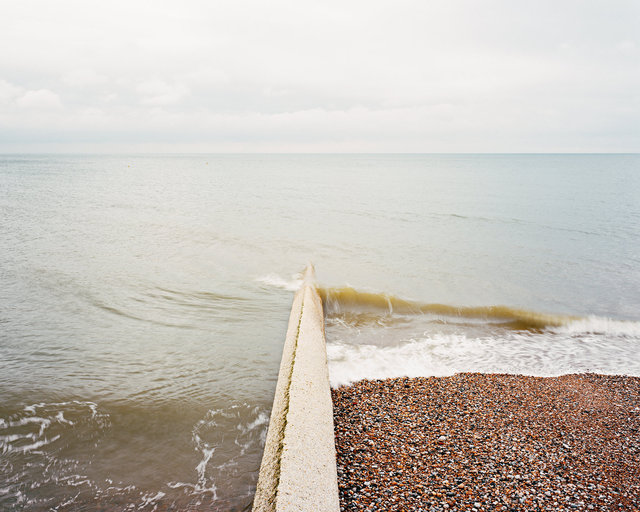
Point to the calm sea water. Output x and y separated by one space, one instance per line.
144 299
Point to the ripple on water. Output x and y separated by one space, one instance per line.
60 455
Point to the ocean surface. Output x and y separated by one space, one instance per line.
144 299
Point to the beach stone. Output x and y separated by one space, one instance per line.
504 455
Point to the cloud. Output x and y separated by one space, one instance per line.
84 77
8 92
158 92
42 99
422 76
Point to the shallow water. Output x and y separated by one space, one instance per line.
144 299
367 340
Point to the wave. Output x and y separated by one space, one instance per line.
125 314
275 281
346 299
599 325
545 354
182 309
428 339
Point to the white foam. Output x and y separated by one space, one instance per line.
31 408
147 499
14 437
67 502
541 354
178 485
93 407
196 488
11 492
33 446
43 416
61 419
262 419
218 462
201 468
207 452
77 480
600 325
351 363
43 422
276 281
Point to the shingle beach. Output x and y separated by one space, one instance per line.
489 442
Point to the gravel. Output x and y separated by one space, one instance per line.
489 442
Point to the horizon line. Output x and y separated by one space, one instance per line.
316 153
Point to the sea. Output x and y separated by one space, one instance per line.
144 299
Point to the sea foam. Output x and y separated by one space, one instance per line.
600 325
543 354
275 281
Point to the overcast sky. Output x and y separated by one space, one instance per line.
390 76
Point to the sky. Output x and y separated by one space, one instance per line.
320 76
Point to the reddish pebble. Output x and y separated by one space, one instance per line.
489 442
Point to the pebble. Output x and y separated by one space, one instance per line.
512 443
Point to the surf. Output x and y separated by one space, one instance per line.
378 335
345 300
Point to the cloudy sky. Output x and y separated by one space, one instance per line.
382 76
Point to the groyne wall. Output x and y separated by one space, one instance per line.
298 470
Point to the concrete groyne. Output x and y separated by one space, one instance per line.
298 470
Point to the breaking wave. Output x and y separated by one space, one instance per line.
437 339
275 281
544 355
599 325
337 300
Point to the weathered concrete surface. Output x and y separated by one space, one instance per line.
298 470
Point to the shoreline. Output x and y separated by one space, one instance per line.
489 442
